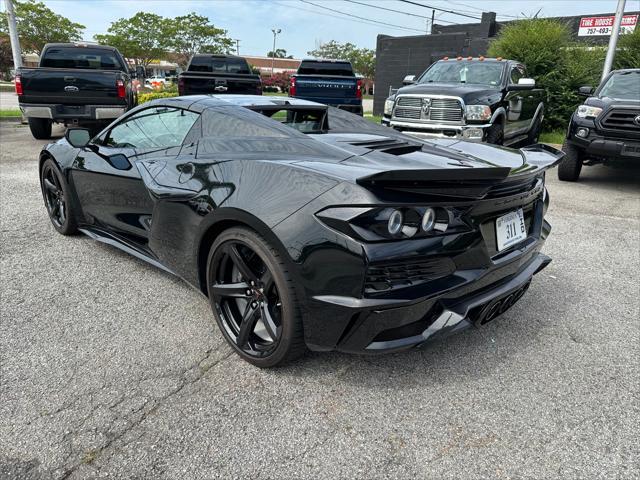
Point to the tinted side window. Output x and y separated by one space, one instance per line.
158 127
336 69
516 74
238 122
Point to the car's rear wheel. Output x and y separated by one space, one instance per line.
57 199
571 165
253 299
40 128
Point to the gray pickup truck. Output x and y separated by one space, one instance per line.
75 84
479 99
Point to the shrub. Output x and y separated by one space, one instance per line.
628 52
558 65
147 97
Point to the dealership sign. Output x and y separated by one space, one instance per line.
590 26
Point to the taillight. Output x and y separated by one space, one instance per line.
19 90
121 90
292 87
359 88
180 86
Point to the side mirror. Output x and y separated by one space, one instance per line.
585 90
77 137
409 80
523 84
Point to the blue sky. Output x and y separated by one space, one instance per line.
304 25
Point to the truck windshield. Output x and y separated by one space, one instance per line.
622 85
335 69
464 72
80 57
219 65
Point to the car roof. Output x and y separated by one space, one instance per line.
81 45
477 59
325 60
626 70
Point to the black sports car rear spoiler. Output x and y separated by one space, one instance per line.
472 183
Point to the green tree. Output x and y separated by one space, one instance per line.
193 33
142 37
558 65
363 60
628 52
279 53
6 57
38 25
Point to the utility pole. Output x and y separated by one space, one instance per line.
613 41
433 19
237 46
13 34
273 52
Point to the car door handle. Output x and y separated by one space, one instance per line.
69 79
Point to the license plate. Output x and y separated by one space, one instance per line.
510 229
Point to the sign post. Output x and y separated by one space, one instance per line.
13 35
613 41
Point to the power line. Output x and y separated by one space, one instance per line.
439 9
334 16
399 11
361 18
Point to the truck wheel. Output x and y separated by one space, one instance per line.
571 164
40 128
495 134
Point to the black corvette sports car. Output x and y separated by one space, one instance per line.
307 226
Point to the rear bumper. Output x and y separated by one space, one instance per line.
380 326
353 105
59 112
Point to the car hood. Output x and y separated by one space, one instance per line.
470 93
394 158
604 102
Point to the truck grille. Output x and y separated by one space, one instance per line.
390 276
448 110
621 119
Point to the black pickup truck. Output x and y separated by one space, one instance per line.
331 82
606 127
208 73
478 99
75 84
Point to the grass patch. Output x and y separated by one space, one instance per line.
556 136
275 94
10 113
373 118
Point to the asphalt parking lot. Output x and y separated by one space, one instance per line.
112 368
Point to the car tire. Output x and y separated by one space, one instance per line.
571 165
57 199
40 128
269 307
495 134
534 131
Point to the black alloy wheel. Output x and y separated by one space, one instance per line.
252 299
56 199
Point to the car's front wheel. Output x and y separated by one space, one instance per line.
40 128
571 165
57 199
253 298
495 134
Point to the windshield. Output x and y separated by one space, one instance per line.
464 72
622 85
